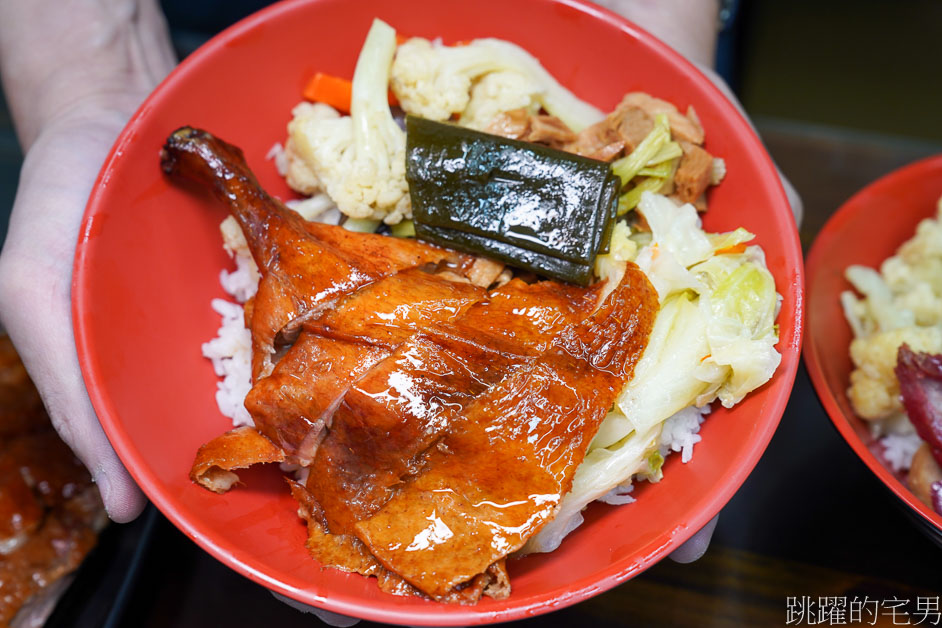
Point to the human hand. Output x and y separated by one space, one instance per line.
73 72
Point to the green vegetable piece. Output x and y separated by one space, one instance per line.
662 170
361 225
404 229
631 164
630 199
539 263
529 196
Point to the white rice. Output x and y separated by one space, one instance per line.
619 495
899 449
230 352
681 432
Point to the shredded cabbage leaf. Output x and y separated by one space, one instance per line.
713 339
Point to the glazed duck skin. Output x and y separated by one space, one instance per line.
442 422
294 403
505 464
405 403
304 266
236 449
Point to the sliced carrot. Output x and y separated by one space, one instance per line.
334 91
732 250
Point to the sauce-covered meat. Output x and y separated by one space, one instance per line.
504 464
304 266
49 510
441 422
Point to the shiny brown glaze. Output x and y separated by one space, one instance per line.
394 413
392 310
347 552
507 460
441 423
49 509
295 403
236 449
304 266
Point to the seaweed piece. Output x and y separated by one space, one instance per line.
544 205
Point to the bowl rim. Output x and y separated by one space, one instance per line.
813 355
576 591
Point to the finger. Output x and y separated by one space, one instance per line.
696 546
152 44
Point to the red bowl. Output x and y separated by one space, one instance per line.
866 230
149 258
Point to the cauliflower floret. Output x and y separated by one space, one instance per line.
874 390
496 93
923 302
919 260
360 159
424 86
298 173
435 81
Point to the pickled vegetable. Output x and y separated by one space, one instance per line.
529 205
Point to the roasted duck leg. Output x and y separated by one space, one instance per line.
442 423
304 266
345 282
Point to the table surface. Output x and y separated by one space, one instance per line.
811 520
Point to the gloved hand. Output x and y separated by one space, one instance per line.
73 73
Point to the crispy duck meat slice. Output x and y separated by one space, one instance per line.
348 553
390 311
503 467
304 266
403 405
236 449
293 404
